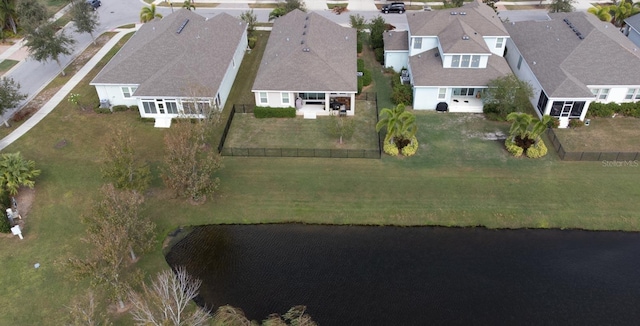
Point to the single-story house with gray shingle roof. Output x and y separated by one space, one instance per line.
450 55
181 65
632 29
572 60
309 63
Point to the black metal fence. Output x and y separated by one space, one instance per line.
589 156
297 152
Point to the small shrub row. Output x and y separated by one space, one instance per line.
360 84
116 108
359 46
412 148
539 149
379 55
576 123
269 112
512 148
366 77
360 65
102 110
390 148
597 109
23 114
5 203
120 108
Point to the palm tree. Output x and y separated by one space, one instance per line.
15 171
148 14
539 127
524 130
188 4
519 124
622 11
400 125
601 12
8 14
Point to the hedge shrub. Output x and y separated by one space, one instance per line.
631 109
412 148
366 77
120 108
269 112
359 85
359 46
576 123
360 65
102 110
252 42
133 108
5 203
390 148
512 148
539 149
379 55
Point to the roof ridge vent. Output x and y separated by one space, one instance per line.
453 13
184 23
465 37
463 13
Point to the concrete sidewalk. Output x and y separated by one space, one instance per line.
61 95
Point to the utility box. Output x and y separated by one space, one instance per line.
104 104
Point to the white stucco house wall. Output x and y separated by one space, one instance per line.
632 29
450 54
572 60
182 65
309 63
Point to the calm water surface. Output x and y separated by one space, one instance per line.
353 275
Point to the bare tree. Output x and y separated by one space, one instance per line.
231 316
83 312
166 300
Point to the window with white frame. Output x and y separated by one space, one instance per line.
499 42
127 91
455 61
633 94
417 43
466 59
600 93
285 98
475 61
172 106
442 93
263 98
149 106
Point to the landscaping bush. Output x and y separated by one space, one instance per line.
360 65
101 110
366 77
512 148
379 55
496 112
539 149
252 42
412 148
390 148
402 94
120 108
359 46
630 109
133 108
269 112
5 203
359 85
601 109
553 123
575 123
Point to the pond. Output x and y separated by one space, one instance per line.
365 275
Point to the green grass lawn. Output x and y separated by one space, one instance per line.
458 178
6 65
618 134
249 132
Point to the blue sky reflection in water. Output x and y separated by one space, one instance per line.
359 275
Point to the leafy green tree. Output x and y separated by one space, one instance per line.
602 12
10 95
251 19
31 13
561 6
189 169
148 13
376 28
122 166
8 15
16 171
45 43
84 18
507 94
286 7
166 301
400 125
342 127
358 22
188 4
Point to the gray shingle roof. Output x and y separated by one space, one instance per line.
634 21
477 20
328 65
427 70
565 65
396 40
165 63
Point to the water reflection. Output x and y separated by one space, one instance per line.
356 275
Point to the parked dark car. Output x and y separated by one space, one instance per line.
393 7
94 4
